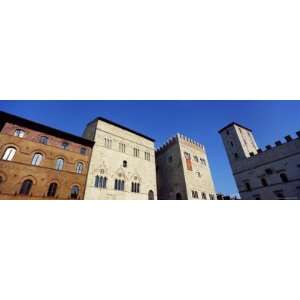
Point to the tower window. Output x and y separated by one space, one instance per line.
196 158
231 143
211 197
236 156
284 177
124 163
170 158
203 196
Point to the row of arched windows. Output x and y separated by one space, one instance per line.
52 190
37 158
101 182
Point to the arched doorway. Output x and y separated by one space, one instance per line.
150 195
178 196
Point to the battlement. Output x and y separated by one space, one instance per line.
171 141
277 144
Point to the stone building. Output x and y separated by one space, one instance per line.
122 163
39 162
183 171
272 173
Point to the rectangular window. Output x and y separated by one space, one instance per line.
83 151
122 147
147 156
188 161
198 174
136 152
107 143
65 145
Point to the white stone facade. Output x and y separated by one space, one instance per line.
183 171
122 163
273 173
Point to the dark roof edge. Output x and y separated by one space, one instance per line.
6 117
122 127
234 123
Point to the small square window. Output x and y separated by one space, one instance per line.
83 151
65 145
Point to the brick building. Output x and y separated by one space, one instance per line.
40 162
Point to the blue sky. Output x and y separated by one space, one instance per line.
200 120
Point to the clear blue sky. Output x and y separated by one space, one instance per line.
200 120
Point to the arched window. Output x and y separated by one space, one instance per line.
52 189
74 192
124 163
9 153
19 133
204 196
100 182
135 187
97 178
59 164
264 182
284 177
37 159
119 185
79 167
26 187
44 140
150 195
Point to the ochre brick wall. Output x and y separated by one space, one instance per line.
14 172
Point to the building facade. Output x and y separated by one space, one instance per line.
272 173
183 171
122 163
39 162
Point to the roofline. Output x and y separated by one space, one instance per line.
6 117
122 127
232 124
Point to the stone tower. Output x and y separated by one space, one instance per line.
239 143
183 171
